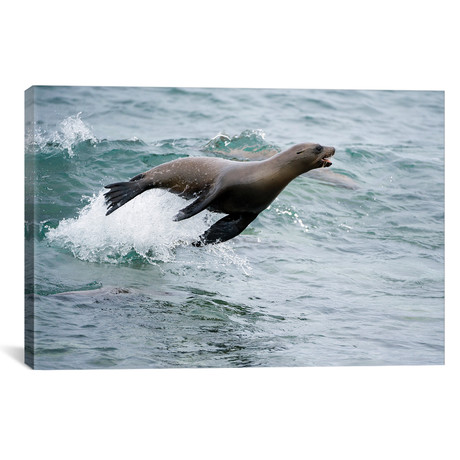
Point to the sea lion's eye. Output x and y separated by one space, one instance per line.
319 148
300 151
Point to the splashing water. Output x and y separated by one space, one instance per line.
71 131
141 229
144 225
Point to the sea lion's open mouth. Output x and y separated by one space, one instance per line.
325 162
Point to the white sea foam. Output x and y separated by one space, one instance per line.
143 227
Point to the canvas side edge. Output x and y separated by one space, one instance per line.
29 232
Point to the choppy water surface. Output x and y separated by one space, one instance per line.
330 274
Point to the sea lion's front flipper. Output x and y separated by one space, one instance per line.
226 228
201 203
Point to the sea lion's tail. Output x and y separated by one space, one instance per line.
122 192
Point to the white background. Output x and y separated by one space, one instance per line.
385 412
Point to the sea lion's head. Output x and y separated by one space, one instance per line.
311 156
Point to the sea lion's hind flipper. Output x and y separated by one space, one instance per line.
201 203
226 228
120 193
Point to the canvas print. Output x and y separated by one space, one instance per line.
226 227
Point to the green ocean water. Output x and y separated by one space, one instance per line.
347 273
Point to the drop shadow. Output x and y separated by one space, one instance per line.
15 353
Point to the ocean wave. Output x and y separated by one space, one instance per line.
249 145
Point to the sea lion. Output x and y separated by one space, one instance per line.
327 176
239 189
